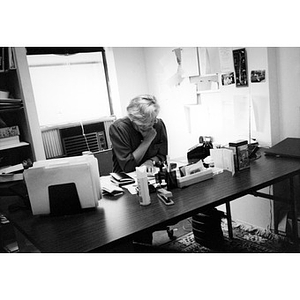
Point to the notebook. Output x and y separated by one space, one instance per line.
122 178
289 147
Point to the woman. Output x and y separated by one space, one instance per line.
140 138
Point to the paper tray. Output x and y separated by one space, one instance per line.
194 178
79 170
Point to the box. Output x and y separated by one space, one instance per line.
11 131
240 152
57 177
194 178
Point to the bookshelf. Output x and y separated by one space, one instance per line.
21 140
12 113
17 108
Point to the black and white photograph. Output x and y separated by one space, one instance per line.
141 158
228 78
258 76
241 67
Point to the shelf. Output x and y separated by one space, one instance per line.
10 100
21 144
207 92
204 78
8 70
208 83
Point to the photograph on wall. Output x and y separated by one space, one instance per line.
258 75
240 67
228 78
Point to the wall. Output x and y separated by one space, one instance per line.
288 68
218 115
161 66
131 77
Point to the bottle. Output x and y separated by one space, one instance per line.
143 189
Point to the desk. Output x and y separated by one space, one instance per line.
118 219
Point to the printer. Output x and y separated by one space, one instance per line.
201 150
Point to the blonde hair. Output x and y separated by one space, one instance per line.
143 108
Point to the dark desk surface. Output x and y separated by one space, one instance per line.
119 218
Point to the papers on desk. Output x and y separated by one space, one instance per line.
109 188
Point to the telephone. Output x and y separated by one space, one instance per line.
200 150
252 151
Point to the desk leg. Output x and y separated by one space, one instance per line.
294 212
229 221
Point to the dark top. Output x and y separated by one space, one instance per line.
125 139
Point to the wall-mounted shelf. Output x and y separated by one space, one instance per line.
21 144
207 82
207 92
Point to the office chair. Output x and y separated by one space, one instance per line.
105 163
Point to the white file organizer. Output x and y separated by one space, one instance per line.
81 170
194 178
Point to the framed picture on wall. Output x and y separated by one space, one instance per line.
240 67
227 78
258 75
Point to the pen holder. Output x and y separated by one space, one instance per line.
171 179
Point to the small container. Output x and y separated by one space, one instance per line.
171 179
143 189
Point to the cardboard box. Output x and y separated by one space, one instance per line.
240 152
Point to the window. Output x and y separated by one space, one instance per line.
69 88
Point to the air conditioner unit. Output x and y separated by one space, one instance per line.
73 139
88 137
75 145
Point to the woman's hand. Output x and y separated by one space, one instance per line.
150 168
149 134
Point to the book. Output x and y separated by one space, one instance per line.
6 132
240 152
223 158
11 169
122 178
11 58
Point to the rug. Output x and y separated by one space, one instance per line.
246 239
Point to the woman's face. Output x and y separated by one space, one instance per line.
143 127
